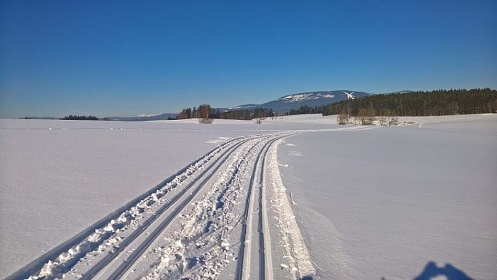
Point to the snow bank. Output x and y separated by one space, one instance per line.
297 252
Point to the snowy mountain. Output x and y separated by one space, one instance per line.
312 99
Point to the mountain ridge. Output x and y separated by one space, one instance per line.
313 98
281 105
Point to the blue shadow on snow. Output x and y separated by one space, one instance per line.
452 273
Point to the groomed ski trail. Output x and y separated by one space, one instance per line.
251 242
225 216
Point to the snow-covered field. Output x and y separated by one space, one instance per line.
384 202
370 203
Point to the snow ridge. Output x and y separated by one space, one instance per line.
294 242
251 241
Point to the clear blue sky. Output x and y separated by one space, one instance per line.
125 58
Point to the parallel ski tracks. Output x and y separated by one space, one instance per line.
206 164
254 255
245 268
125 244
158 223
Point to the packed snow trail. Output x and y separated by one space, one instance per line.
225 216
248 241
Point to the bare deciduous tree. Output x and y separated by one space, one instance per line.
204 112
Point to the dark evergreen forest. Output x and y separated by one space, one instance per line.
419 103
304 109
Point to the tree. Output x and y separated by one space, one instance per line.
194 112
205 111
183 114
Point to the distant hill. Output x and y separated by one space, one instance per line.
294 101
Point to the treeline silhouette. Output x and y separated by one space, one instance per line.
80 118
205 111
304 109
245 114
420 103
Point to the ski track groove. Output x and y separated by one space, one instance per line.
264 222
244 261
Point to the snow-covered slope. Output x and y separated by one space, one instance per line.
312 99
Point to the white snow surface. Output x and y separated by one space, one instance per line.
370 202
305 96
384 202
